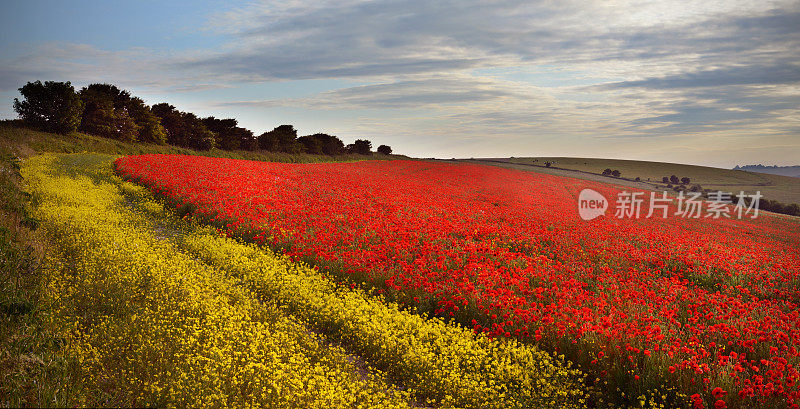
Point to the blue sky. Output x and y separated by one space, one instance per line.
714 82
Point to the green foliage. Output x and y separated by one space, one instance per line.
50 106
229 136
360 146
105 112
385 149
114 113
281 139
184 128
310 144
29 140
321 144
149 125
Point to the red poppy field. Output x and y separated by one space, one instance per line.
697 312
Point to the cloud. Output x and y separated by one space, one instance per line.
433 92
647 69
782 72
366 39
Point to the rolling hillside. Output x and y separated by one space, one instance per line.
775 187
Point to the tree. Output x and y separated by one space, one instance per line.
607 172
331 144
105 112
792 209
616 173
685 180
320 143
385 149
310 144
184 128
114 113
665 179
52 106
229 136
223 132
360 146
674 180
149 125
197 135
281 139
172 122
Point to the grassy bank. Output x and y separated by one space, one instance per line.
25 142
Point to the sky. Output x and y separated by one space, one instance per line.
713 83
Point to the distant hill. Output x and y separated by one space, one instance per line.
782 188
792 171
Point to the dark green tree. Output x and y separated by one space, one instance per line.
360 146
792 209
184 128
311 144
229 135
105 112
149 125
172 122
321 143
114 113
52 106
197 135
385 149
281 139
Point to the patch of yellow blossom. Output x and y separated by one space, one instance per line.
156 327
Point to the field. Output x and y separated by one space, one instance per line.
673 311
143 308
175 280
784 189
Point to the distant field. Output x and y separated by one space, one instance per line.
793 171
775 187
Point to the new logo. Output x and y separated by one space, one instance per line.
591 204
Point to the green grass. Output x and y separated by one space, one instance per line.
32 372
775 187
25 142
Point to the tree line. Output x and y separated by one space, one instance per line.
105 110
